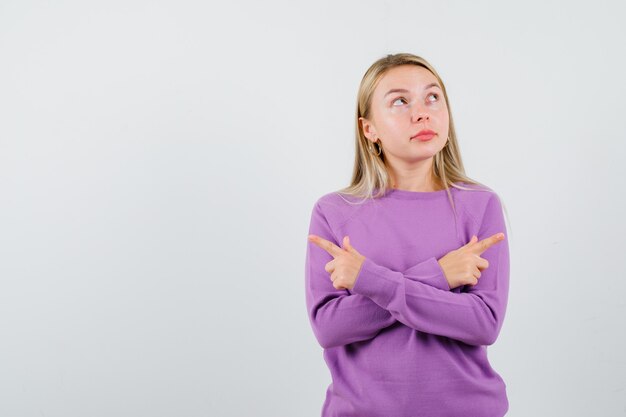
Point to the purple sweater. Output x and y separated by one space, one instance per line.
401 342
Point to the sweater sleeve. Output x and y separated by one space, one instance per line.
336 316
428 272
473 316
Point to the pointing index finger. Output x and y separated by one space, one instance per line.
488 242
327 245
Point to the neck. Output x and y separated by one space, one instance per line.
415 179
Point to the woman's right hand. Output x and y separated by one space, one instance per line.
462 266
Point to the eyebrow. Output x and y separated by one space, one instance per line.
402 90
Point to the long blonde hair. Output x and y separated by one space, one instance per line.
370 173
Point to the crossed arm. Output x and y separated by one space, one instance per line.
418 297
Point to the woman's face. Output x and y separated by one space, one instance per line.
397 116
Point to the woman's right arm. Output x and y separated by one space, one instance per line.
339 317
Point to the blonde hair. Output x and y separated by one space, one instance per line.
370 172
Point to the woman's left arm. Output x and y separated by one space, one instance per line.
474 317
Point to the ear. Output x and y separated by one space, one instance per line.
369 130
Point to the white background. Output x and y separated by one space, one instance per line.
159 161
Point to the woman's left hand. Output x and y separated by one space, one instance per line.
345 268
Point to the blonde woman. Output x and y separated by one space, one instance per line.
407 269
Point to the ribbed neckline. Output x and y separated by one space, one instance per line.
417 195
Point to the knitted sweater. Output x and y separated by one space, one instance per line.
401 342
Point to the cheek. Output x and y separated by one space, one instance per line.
442 115
440 108
393 123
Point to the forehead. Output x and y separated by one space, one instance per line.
410 77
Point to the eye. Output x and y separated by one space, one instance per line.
399 98
434 94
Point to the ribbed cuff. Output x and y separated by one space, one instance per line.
377 282
428 272
380 283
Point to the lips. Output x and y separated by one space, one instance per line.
425 133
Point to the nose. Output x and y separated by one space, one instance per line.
419 115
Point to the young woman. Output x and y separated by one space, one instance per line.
407 269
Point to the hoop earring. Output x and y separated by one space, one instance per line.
380 149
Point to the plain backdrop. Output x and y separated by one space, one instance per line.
159 161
